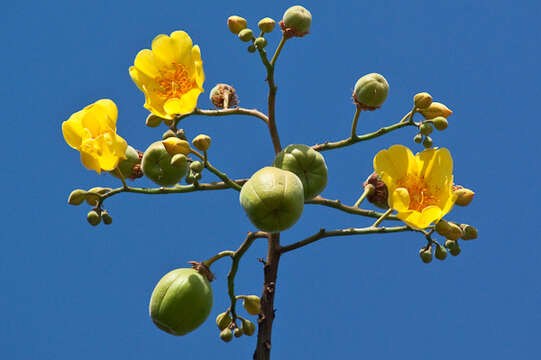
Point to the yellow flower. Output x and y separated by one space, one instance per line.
92 131
420 187
170 75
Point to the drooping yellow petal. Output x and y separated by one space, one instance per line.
394 164
400 199
185 104
420 220
435 166
72 129
90 162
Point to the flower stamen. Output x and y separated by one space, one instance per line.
175 82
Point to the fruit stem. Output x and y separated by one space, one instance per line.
382 217
368 190
355 121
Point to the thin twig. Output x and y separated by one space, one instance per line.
336 204
224 112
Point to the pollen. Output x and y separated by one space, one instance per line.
175 82
420 194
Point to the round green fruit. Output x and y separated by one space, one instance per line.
181 301
126 165
371 90
308 164
273 199
156 165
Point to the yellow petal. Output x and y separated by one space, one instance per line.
90 162
419 220
436 166
108 114
72 129
199 74
174 146
145 63
400 199
184 105
394 164
174 49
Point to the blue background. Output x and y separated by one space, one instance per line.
69 290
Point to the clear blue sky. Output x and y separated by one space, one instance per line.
72 291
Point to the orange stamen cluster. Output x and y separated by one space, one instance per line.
420 194
175 82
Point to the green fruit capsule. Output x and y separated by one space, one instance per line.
156 165
223 320
126 165
371 90
273 199
181 301
308 164
248 327
299 19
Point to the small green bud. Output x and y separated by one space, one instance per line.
469 232
77 197
248 327
434 110
179 161
198 176
442 227
451 244
236 24
223 320
266 25
153 121
440 123
190 179
246 35
181 134
107 219
237 332
251 49
455 232
252 304
370 91
201 142
93 217
169 133
426 255
455 251
93 195
464 196
296 22
440 253
226 335
427 142
422 100
426 129
260 42
418 138
196 166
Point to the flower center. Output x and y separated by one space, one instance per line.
175 82
420 194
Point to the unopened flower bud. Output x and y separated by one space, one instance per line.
248 327
449 230
236 24
426 255
380 195
452 245
94 195
237 332
440 123
196 166
179 160
169 133
455 251
252 304
434 110
223 320
296 22
107 219
440 253
77 197
260 42
246 35
93 217
181 134
418 138
223 96
370 91
190 179
174 146
226 335
266 25
427 142
469 232
153 121
201 142
425 129
251 48
422 100
464 196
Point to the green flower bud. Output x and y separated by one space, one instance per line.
464 196
260 42
223 96
179 161
427 142
252 304
156 165
246 35
422 100
198 176
174 145
448 229
201 142
251 49
107 219
451 244
223 320
237 332
181 134
440 123
296 22
190 179
153 121
455 251
426 255
468 232
273 199
434 110
196 166
181 301
226 335
169 133
129 167
236 24
266 25
93 217
93 195
426 129
77 197
440 253
248 327
418 138
308 164
370 91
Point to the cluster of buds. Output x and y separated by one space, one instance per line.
228 326
93 197
452 232
238 26
435 115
